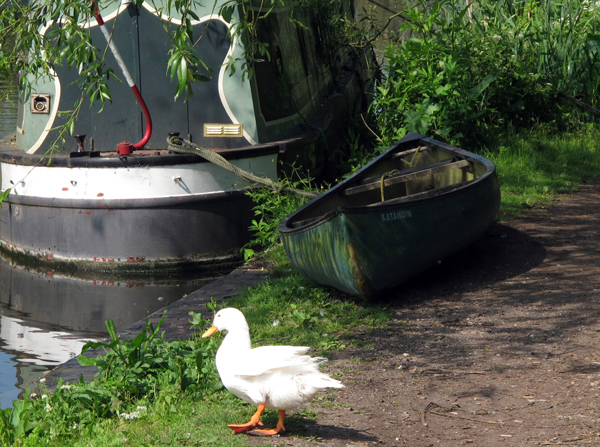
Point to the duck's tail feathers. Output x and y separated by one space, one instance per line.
321 381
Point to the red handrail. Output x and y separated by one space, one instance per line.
126 148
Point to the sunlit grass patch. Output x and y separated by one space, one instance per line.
292 310
534 167
191 422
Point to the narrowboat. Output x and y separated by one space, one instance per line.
100 203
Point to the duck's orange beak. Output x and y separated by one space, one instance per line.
211 330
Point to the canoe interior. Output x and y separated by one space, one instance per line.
411 171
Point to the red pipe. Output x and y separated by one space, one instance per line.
148 132
97 14
126 148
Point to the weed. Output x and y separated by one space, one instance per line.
135 375
467 71
270 207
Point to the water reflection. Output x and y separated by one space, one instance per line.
28 349
45 318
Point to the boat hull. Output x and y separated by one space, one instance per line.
141 237
366 250
154 215
164 213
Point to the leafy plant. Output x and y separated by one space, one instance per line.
465 71
135 366
270 207
134 373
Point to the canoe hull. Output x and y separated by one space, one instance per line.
366 250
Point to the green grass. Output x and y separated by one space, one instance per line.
293 310
188 422
534 167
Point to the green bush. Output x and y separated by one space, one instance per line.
270 208
464 73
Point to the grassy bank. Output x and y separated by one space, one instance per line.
155 392
168 393
534 168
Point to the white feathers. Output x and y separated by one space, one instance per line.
282 377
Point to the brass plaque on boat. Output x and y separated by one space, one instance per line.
223 130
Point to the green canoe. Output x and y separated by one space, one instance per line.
412 206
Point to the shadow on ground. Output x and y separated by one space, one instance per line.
502 253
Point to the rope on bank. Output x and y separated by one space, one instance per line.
178 144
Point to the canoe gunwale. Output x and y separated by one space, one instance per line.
402 177
290 225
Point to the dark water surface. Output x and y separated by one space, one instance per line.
46 318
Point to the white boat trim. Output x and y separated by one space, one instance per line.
134 182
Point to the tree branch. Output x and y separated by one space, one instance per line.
579 103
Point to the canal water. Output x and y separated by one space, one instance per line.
46 318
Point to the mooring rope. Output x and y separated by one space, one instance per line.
382 181
414 160
178 144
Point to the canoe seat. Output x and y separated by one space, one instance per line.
422 195
406 175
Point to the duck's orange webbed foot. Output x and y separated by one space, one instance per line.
276 430
243 428
254 422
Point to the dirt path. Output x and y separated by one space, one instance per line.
498 346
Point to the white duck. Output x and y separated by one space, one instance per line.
276 377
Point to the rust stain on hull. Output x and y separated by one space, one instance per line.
362 282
